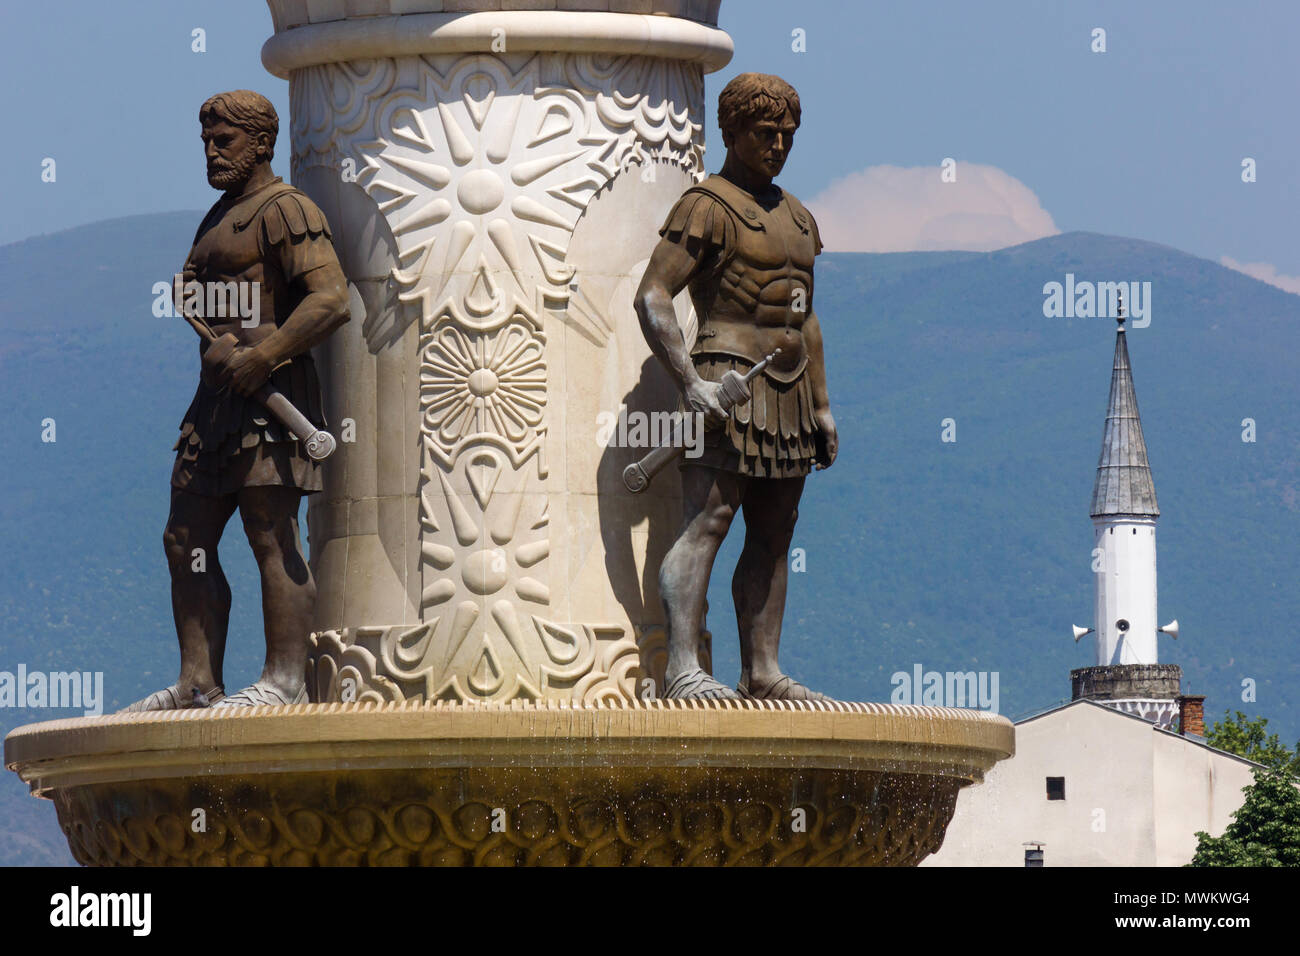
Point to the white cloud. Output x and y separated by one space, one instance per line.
1262 271
898 209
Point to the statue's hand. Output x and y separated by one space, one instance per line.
247 370
828 439
215 357
702 397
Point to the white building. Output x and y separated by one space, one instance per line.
1097 787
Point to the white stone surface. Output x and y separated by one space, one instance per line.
1126 591
330 40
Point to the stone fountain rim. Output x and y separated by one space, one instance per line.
362 737
552 31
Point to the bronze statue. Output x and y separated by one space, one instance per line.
266 245
745 248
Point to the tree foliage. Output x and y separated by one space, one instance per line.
1247 738
1266 828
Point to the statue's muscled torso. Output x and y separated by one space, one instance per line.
241 241
756 298
752 295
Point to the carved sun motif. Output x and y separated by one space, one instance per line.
478 384
478 174
490 539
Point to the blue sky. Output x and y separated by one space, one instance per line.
1145 140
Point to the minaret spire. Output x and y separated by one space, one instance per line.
1124 485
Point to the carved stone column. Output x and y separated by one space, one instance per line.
495 180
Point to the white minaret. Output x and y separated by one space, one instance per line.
1127 673
1124 516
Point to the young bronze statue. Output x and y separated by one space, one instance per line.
745 249
268 245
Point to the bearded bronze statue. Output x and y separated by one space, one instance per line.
744 248
271 243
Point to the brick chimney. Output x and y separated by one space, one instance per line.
1191 714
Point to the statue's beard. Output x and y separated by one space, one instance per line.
223 175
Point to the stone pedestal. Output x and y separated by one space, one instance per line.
495 179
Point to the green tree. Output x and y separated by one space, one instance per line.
1244 737
1266 828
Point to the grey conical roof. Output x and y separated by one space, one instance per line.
1124 485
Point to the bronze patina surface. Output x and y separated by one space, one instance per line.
744 248
265 246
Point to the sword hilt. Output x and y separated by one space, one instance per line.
733 390
749 376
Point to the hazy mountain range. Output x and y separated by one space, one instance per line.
965 555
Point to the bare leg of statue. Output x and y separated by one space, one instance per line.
710 501
200 599
270 516
758 588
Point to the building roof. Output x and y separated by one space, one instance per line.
1124 485
1186 738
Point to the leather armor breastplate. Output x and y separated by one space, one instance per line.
760 292
227 249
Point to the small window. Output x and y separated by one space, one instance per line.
1055 788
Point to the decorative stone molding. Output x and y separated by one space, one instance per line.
290 14
401 664
587 818
492 31
1162 713
398 665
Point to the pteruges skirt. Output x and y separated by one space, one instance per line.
773 435
228 442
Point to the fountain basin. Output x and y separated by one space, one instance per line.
525 783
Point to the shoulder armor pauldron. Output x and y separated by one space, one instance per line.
740 204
